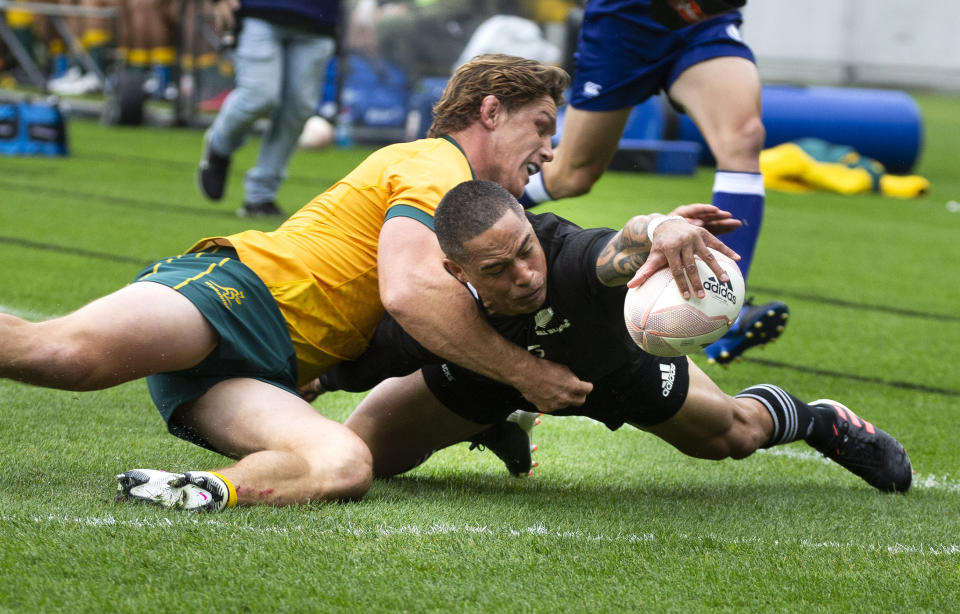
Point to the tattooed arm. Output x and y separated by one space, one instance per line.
630 257
625 253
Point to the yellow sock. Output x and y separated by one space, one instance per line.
232 492
57 47
19 19
162 56
95 37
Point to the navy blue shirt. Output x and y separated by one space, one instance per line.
320 16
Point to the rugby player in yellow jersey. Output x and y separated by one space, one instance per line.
226 333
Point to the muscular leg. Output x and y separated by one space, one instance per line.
162 52
402 423
288 452
141 329
139 14
97 34
722 97
589 141
714 425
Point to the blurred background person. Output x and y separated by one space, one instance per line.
147 34
96 37
283 48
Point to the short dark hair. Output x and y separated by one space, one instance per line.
513 80
468 210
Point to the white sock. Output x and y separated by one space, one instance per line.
536 191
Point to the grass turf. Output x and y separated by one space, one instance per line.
610 522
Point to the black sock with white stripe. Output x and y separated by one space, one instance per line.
792 418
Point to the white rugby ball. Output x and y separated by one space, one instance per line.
663 323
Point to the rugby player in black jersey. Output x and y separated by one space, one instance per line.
558 290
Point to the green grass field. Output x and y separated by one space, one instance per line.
610 522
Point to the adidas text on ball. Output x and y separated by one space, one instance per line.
664 323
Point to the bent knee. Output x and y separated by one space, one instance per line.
258 101
355 474
344 473
753 135
738 148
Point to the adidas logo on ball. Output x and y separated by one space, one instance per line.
722 289
664 323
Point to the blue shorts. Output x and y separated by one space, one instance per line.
254 341
624 57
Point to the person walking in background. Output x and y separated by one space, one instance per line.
283 47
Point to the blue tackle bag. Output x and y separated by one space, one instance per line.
30 128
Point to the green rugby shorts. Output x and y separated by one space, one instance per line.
254 341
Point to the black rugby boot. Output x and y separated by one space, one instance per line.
862 448
212 172
510 441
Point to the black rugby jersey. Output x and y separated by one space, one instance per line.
580 324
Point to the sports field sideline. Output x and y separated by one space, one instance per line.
609 522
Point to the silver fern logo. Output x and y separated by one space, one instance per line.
543 317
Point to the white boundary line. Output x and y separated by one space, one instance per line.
441 529
932 482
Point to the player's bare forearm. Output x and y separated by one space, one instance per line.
430 304
436 310
445 319
625 253
448 322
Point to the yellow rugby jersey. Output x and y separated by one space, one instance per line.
321 264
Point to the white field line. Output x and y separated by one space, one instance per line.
536 530
188 520
923 482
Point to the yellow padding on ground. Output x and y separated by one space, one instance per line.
904 186
788 168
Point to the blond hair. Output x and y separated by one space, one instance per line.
513 80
